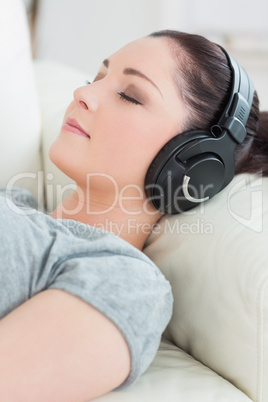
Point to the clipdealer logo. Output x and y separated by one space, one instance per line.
248 213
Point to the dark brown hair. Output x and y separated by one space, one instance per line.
204 84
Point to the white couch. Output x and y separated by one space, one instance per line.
215 348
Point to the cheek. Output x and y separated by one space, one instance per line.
142 139
122 146
134 145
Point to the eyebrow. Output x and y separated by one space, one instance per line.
137 73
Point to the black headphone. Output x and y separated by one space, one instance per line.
195 165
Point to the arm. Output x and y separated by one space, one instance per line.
56 347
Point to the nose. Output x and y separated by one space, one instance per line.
85 99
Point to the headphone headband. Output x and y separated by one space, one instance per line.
195 165
236 113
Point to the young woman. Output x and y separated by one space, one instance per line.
83 309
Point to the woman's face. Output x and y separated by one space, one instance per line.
129 112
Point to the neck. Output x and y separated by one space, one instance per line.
132 218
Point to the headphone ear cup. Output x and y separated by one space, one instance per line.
176 144
175 184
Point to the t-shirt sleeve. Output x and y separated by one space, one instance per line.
130 291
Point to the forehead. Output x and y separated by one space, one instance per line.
150 47
150 55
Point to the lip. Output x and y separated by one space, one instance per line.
72 126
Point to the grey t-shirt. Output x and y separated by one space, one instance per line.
38 252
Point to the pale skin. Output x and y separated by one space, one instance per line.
56 347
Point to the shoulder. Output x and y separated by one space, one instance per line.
106 254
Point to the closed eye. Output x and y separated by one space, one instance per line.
128 98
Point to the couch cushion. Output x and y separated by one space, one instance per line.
216 259
175 376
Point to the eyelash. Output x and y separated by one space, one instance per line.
123 96
128 98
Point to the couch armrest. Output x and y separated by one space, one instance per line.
20 159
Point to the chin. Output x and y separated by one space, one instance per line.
59 156
67 158
54 154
